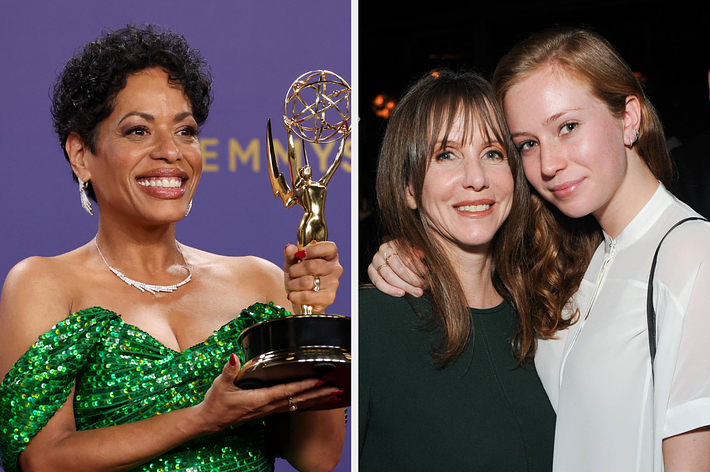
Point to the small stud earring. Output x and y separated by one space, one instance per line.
85 203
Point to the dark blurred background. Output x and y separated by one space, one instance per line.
666 43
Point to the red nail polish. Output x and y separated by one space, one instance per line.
333 400
286 247
321 382
232 360
300 254
336 392
288 296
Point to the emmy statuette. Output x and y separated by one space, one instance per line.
316 110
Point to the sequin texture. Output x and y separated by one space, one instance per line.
123 375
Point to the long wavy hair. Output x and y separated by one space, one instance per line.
430 107
562 247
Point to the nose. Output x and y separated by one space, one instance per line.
475 176
165 147
551 160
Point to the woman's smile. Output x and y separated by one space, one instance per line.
475 209
571 145
566 189
148 147
164 183
468 188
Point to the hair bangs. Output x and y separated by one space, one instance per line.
472 110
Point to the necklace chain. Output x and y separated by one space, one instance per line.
153 289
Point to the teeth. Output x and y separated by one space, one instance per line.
473 208
165 182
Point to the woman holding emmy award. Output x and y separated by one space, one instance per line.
626 366
122 354
440 387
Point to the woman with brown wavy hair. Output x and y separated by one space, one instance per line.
440 388
593 149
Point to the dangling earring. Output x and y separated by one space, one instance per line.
85 203
189 207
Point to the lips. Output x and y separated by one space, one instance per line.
566 189
163 183
475 208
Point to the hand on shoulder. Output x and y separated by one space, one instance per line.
395 274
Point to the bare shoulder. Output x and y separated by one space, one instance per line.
236 265
35 296
259 267
257 278
35 282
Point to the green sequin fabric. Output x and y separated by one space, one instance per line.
123 375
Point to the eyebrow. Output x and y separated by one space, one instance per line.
151 118
488 142
492 142
549 120
558 115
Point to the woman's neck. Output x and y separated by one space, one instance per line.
633 194
474 272
134 249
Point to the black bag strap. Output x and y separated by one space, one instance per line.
650 310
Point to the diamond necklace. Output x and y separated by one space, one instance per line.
153 289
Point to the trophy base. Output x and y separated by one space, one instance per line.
298 347
289 365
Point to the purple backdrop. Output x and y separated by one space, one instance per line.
255 50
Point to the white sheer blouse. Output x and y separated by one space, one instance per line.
598 373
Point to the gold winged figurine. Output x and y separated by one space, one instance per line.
305 191
323 98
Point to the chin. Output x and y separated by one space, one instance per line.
165 217
573 211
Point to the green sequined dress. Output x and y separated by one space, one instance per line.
123 375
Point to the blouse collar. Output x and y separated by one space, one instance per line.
643 221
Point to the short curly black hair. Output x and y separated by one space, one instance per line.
85 90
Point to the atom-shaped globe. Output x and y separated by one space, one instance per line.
317 107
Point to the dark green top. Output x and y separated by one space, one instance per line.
123 375
481 413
